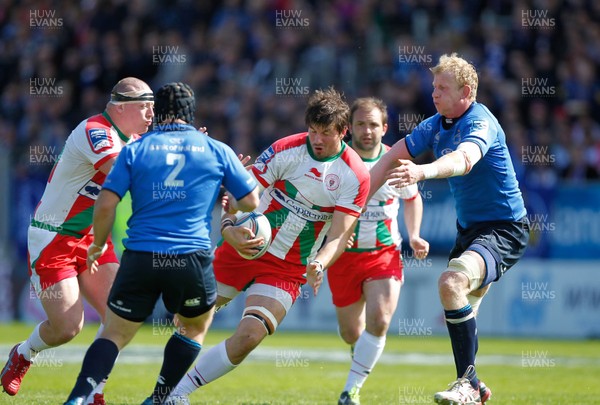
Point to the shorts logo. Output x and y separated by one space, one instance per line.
90 190
192 302
332 182
99 139
119 305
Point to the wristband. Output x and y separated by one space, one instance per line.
94 256
226 223
102 248
320 264
430 171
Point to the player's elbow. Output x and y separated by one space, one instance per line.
249 202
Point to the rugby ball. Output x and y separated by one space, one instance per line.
259 225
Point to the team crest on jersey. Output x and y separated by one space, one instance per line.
90 189
99 139
445 151
264 159
332 182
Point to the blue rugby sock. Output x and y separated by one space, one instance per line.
97 365
462 328
180 354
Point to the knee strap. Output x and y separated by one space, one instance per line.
265 316
467 265
475 302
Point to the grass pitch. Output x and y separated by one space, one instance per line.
296 368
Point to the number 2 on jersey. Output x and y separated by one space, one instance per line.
178 160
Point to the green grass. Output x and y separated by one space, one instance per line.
566 372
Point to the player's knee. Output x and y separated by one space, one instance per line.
462 276
350 334
65 331
449 285
263 315
379 326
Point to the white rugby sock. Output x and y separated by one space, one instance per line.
367 350
212 364
33 345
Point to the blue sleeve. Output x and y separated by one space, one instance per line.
119 177
421 138
237 180
480 131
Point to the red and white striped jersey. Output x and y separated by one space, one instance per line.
302 193
378 226
75 181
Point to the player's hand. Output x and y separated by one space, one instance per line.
405 174
314 275
93 254
229 203
420 247
350 241
242 239
245 160
203 129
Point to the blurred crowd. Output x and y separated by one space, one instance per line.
253 63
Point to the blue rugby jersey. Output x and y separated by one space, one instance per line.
174 176
490 192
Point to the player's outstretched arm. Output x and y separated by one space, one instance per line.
456 163
390 160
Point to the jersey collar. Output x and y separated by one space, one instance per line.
123 137
327 159
376 158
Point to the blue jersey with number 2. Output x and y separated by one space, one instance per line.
490 192
174 176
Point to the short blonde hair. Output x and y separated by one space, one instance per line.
463 71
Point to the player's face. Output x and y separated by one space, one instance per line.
448 96
367 130
139 117
325 142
